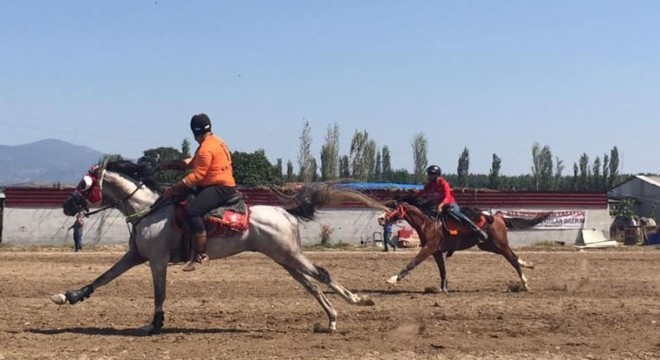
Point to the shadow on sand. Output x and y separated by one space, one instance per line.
131 331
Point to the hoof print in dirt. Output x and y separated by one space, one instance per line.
431 290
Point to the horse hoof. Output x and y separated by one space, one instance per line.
149 329
58 299
393 280
366 301
320 329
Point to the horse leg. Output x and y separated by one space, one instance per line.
129 260
513 259
440 261
516 262
302 264
424 253
159 277
313 289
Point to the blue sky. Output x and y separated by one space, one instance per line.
492 76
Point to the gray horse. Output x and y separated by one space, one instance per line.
273 231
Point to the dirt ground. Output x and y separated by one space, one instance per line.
596 304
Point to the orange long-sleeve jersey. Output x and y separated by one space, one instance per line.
211 164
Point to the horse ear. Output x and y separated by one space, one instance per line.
105 163
390 203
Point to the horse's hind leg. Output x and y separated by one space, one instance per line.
440 261
302 264
129 260
313 289
517 264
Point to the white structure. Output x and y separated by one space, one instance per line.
645 190
25 226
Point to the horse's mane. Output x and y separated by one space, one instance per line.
137 172
426 206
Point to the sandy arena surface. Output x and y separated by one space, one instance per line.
597 304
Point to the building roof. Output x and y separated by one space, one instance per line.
655 180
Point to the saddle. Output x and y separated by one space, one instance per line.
227 220
451 223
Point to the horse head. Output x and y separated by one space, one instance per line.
119 190
86 194
396 214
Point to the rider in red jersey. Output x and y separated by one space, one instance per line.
440 192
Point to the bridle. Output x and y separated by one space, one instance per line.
398 213
90 192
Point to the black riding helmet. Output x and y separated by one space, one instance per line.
200 124
434 170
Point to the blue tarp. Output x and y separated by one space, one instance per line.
377 186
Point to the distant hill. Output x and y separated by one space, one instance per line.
45 162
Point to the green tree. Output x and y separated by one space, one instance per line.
344 167
314 170
378 172
542 172
401 176
494 174
252 169
154 157
370 160
387 164
606 172
362 156
584 172
623 208
420 157
305 157
289 171
185 148
559 169
463 168
278 168
330 154
595 174
614 167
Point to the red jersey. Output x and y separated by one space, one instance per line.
438 191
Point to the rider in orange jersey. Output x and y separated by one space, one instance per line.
440 192
211 178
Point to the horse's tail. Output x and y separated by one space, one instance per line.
516 223
304 202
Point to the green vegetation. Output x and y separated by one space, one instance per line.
365 160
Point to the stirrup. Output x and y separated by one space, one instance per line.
482 237
197 261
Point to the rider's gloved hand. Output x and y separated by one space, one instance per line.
176 189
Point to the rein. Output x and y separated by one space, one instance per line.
129 218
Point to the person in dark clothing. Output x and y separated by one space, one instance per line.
387 237
78 231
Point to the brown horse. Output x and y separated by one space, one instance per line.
449 235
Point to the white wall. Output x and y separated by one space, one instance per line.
35 226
